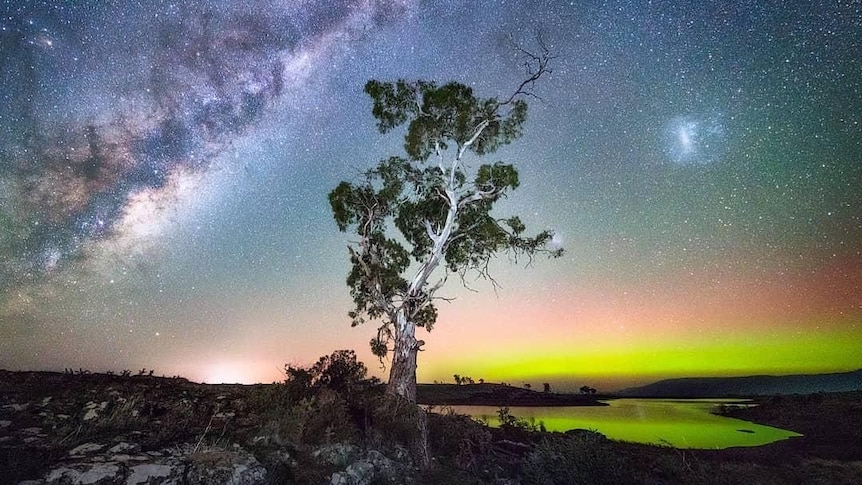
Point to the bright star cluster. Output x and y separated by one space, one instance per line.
164 168
693 140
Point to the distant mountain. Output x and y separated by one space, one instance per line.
691 387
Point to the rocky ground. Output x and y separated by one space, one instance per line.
81 428
97 429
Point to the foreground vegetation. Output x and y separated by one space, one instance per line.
321 420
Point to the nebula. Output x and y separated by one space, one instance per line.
204 76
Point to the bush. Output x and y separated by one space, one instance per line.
576 457
459 440
317 405
339 372
323 419
392 421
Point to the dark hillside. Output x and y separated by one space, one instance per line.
498 395
694 387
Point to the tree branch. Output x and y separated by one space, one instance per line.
476 196
430 231
536 66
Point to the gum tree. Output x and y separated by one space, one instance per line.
441 208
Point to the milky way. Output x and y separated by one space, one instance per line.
172 93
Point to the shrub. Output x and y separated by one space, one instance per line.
325 420
459 440
392 421
339 372
510 422
576 457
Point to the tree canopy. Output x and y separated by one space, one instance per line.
442 210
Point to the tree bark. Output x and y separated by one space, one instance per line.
402 381
402 375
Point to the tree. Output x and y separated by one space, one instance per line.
441 208
547 387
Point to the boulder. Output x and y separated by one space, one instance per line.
374 467
124 464
338 454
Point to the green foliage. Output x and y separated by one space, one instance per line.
510 422
421 199
392 422
321 419
443 115
317 404
339 371
298 384
459 441
578 457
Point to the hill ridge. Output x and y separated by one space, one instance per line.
755 385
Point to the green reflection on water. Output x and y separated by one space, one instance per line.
683 423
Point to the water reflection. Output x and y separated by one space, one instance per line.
683 423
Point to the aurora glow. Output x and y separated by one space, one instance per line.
679 423
164 171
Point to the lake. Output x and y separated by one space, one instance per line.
682 423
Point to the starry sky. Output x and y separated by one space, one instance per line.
164 168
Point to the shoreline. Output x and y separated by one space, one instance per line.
488 394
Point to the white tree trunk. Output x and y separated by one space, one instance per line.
402 375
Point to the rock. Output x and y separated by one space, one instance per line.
93 409
338 454
123 447
170 466
84 474
374 467
379 460
358 473
85 449
229 467
149 473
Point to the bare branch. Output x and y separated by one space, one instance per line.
438 285
536 65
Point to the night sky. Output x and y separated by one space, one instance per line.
164 168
